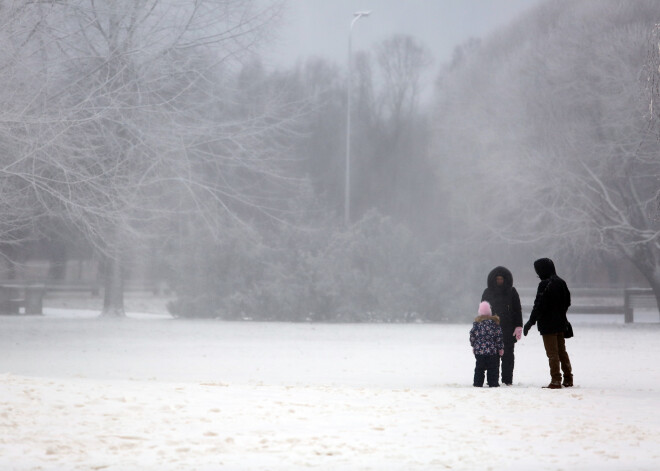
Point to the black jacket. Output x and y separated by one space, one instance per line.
504 302
552 299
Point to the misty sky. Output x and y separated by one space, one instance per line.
320 27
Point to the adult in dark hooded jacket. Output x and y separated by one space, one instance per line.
552 301
505 303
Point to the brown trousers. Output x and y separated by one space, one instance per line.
555 349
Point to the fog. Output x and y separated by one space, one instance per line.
207 151
321 28
227 243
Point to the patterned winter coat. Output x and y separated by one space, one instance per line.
486 336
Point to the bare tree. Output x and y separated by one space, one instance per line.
653 87
391 156
18 60
402 60
139 122
557 137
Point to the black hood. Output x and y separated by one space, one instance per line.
503 272
545 268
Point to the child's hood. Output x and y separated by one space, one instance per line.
487 318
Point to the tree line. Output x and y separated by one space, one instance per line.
136 129
146 130
558 137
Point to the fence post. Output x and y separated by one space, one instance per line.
34 296
627 306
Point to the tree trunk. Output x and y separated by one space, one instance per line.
650 269
655 285
113 297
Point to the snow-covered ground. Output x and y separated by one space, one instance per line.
153 393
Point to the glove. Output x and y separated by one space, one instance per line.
517 333
526 329
501 352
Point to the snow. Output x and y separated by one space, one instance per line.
151 392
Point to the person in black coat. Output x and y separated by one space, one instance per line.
505 303
552 301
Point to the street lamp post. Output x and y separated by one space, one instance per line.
347 184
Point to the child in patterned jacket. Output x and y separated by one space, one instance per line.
487 346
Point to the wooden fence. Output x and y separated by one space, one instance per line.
18 297
621 302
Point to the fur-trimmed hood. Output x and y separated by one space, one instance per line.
504 273
486 318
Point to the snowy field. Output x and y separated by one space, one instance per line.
153 393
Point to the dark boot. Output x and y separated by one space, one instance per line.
565 363
552 386
479 371
507 363
493 371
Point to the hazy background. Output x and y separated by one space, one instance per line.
320 28
200 148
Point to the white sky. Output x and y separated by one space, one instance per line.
320 27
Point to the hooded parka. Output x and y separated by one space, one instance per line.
504 301
552 299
